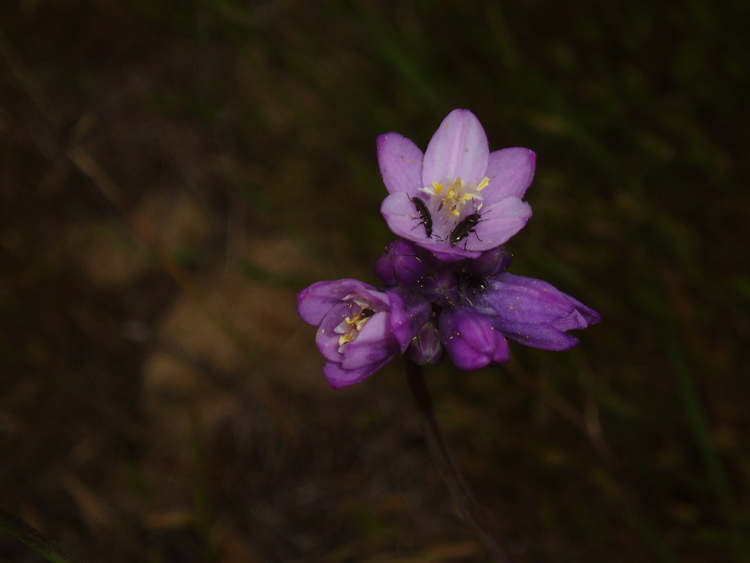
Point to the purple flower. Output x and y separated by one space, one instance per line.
355 327
471 340
410 311
490 263
447 288
400 264
533 312
457 199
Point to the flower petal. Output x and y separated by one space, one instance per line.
459 149
326 338
374 343
543 336
535 313
511 172
471 340
400 264
529 300
400 163
339 377
402 217
409 311
499 222
316 301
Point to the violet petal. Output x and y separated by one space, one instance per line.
339 377
374 343
536 313
511 172
459 149
471 340
543 335
400 264
400 163
402 217
327 338
499 222
314 302
409 311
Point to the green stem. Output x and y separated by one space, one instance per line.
468 505
33 538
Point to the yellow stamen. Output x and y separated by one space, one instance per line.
483 184
438 187
355 325
344 338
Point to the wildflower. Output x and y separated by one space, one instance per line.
447 285
471 340
401 264
533 312
355 328
457 199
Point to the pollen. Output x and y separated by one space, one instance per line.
351 326
454 199
461 193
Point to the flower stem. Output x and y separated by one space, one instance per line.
33 538
470 508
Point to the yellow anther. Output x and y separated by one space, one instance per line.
438 187
483 184
345 339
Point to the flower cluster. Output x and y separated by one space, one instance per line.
446 282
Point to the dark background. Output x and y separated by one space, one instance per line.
173 173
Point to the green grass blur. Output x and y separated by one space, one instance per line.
171 174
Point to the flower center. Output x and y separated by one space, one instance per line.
455 197
352 325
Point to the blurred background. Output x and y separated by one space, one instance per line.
173 173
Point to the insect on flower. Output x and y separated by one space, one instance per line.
454 177
357 327
424 214
464 229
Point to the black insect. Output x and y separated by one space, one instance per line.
366 313
472 282
424 214
471 287
464 229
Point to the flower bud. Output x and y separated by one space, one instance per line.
471 340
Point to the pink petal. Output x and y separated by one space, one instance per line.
402 217
499 222
400 163
511 172
458 149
